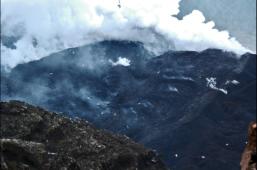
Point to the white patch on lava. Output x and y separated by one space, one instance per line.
212 83
121 61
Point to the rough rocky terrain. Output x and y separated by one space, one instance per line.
249 156
34 139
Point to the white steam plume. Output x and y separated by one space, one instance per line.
46 26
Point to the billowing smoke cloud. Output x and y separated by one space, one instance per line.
237 16
45 26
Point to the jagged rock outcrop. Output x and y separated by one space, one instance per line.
32 138
249 156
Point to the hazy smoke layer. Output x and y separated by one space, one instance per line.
45 26
237 16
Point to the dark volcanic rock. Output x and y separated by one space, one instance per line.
32 138
249 161
162 102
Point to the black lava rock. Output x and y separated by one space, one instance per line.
32 138
186 105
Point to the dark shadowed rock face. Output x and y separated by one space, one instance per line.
32 138
249 156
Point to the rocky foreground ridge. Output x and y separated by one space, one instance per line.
32 138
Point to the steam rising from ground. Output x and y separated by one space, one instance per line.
45 26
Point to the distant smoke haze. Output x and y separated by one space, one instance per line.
237 16
42 27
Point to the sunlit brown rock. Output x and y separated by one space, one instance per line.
249 156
